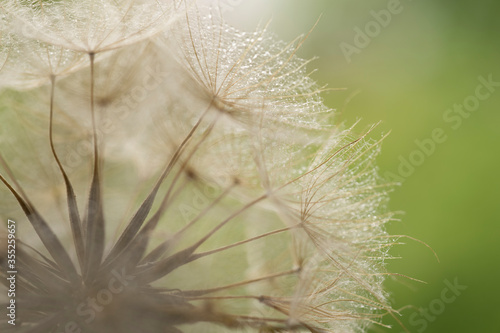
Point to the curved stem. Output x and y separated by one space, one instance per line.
74 216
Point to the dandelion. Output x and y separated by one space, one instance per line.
90 26
212 192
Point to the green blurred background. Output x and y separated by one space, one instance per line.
427 58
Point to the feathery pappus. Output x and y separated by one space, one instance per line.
168 172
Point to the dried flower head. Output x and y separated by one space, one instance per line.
91 26
220 196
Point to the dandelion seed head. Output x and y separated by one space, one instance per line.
191 179
245 72
90 26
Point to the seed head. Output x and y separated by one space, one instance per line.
189 179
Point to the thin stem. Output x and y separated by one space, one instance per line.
232 216
94 222
137 221
181 147
74 216
227 247
191 154
15 183
167 265
205 211
200 292
92 108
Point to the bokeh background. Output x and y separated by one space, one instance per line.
427 58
